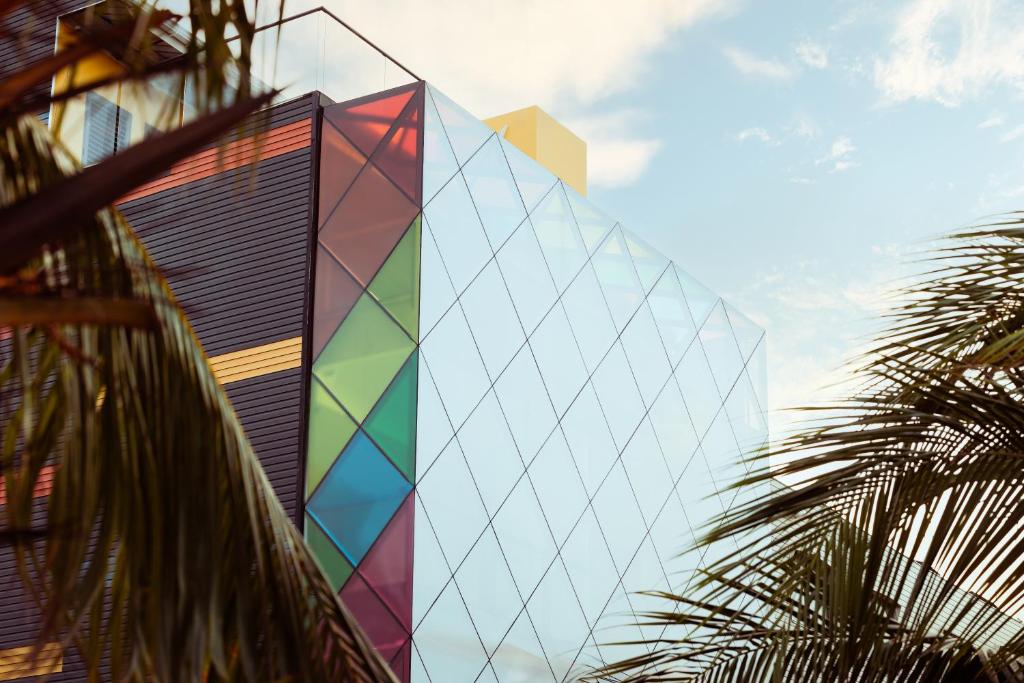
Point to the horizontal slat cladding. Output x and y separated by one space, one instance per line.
270 408
28 34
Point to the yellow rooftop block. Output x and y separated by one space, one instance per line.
547 141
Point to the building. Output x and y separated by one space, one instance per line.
497 412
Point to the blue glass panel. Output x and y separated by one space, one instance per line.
494 192
525 403
674 540
559 620
645 574
526 274
668 305
490 452
619 517
493 320
698 492
451 354
618 278
450 498
590 566
746 332
447 642
358 496
524 537
618 625
620 399
588 437
433 429
436 291
439 163
488 590
646 354
558 358
720 346
698 388
533 180
724 457
558 486
647 471
594 225
649 262
589 317
430 570
520 657
559 238
457 231
465 132
699 298
672 425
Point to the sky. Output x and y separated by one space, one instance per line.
792 155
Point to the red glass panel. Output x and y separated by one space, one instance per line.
335 295
388 565
401 665
365 122
339 164
398 156
367 224
383 630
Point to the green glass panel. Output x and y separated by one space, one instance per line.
335 566
330 428
392 424
397 283
361 358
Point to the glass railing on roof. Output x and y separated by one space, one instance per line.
315 50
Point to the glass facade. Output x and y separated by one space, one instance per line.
520 412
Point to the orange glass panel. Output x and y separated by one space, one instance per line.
365 122
397 157
335 295
340 162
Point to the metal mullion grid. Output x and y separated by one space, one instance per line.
558 299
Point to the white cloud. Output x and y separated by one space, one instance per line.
756 133
1012 134
749 65
948 51
993 121
805 127
838 156
616 155
812 54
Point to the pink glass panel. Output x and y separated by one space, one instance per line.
388 565
379 624
367 122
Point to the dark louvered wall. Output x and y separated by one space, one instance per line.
28 33
234 248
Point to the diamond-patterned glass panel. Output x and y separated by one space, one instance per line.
565 403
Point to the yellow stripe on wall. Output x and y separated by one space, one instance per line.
19 662
258 360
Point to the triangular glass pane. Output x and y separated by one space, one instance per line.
357 497
590 566
699 298
397 284
429 568
336 568
559 620
490 453
494 192
401 664
720 346
521 262
456 228
559 239
330 428
672 315
436 291
618 279
434 429
379 624
364 228
455 365
448 495
746 332
646 354
533 180
488 591
594 225
361 358
367 120
439 164
465 132
340 162
398 156
520 656
447 640
649 262
493 320
336 293
392 423
387 568
648 474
